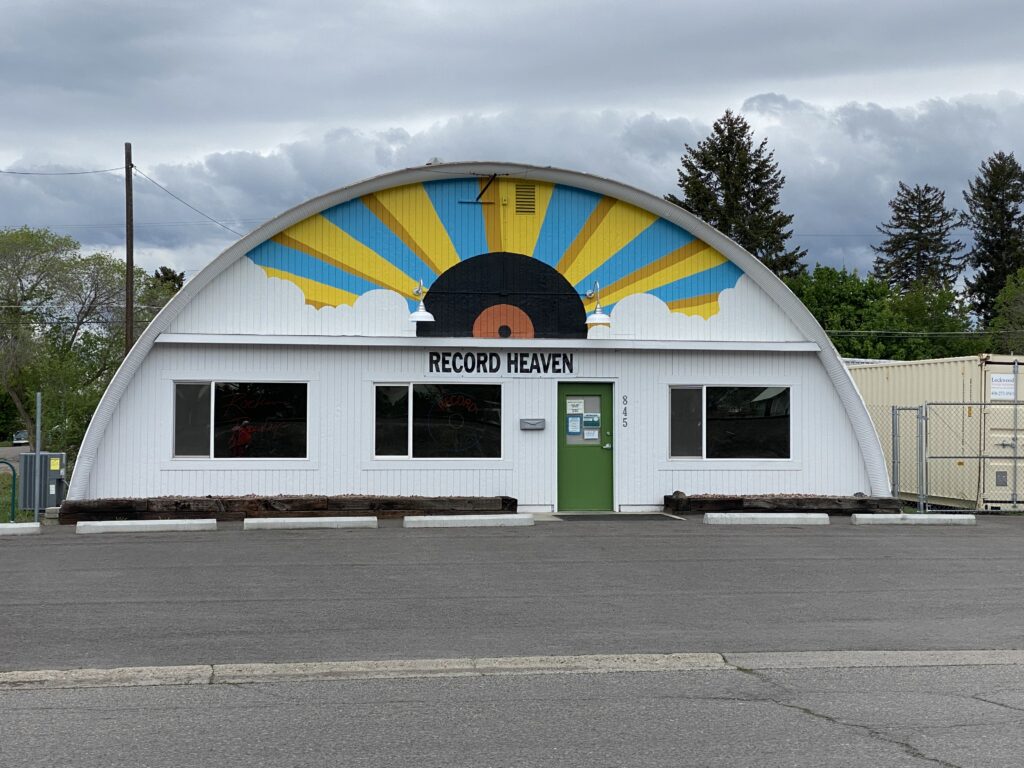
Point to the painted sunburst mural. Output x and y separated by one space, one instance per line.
398 237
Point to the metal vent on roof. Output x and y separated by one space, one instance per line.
526 198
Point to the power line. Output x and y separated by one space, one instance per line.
138 224
61 173
186 204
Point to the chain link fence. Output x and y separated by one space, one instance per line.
955 456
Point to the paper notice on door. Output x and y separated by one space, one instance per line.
574 406
591 434
573 425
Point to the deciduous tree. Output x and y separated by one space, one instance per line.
866 318
62 328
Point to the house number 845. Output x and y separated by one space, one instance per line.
625 410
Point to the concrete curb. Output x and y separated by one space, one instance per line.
19 529
766 518
239 674
905 519
144 526
852 659
520 665
197 674
466 521
302 523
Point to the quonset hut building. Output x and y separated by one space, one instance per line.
294 362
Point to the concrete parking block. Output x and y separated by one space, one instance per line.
766 518
18 529
144 526
912 519
300 523
466 521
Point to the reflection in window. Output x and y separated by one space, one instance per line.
259 420
449 421
747 422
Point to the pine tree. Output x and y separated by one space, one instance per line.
734 186
919 250
995 214
1006 329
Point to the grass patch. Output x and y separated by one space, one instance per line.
5 501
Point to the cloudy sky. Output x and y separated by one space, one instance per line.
246 109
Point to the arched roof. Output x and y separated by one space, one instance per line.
658 207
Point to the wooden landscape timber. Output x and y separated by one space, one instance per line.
842 505
224 508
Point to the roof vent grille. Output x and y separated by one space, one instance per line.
526 198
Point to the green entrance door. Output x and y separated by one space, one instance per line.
584 447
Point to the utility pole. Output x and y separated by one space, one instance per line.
129 258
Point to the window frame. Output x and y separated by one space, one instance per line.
174 421
410 400
703 457
212 384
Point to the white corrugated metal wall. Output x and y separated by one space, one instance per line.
134 458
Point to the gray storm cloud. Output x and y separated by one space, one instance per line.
247 109
841 164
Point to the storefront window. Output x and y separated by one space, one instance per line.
748 422
192 420
687 427
392 421
733 422
449 421
262 420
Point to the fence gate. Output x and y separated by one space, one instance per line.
958 456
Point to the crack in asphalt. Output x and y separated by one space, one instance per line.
997 703
878 735
909 749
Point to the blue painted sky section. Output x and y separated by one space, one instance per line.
568 210
464 221
361 224
712 280
658 240
277 256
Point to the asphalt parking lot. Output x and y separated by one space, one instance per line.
820 596
638 586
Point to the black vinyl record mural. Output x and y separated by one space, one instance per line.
504 296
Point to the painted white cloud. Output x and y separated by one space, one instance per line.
746 313
242 299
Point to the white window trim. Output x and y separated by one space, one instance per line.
739 462
249 462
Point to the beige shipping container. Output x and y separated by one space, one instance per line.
972 454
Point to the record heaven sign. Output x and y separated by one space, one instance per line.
521 363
